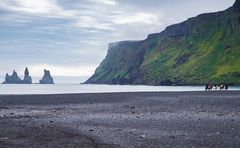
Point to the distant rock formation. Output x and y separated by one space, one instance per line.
47 78
12 79
27 78
15 79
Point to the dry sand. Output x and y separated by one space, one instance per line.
154 120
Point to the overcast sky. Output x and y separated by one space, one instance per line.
70 37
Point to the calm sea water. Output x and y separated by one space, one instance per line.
72 85
80 88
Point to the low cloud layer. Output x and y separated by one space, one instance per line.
71 37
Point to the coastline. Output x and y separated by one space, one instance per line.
35 89
141 119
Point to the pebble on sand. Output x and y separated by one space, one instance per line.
173 137
4 138
91 130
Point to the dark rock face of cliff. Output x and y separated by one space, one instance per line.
14 78
236 6
47 78
202 49
121 65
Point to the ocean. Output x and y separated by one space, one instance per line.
66 85
82 88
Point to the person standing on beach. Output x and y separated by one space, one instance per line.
206 87
210 86
221 87
226 87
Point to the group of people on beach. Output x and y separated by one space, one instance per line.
210 87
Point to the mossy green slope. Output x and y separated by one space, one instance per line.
200 50
121 65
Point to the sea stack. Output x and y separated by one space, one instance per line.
12 79
15 79
47 78
27 78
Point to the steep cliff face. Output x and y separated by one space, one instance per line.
121 65
202 49
236 6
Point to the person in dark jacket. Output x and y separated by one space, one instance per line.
206 87
221 87
226 87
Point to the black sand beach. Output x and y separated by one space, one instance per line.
147 120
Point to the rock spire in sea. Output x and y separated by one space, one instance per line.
15 79
27 78
47 78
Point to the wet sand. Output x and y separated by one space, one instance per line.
165 119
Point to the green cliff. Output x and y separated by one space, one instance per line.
199 50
